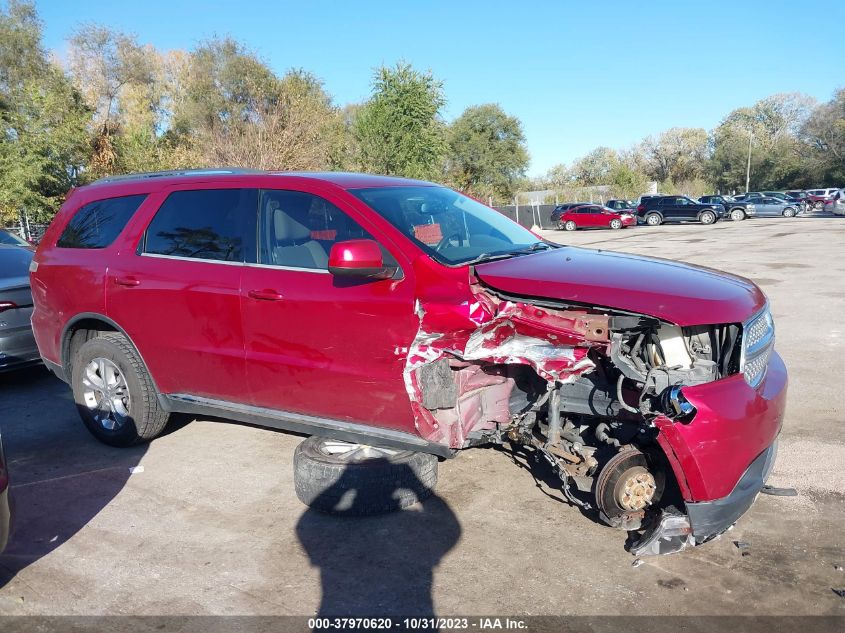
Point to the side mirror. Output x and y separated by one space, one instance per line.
359 258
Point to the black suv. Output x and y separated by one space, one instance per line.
734 209
654 210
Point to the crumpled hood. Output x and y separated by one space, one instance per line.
679 293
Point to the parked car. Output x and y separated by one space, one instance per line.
757 196
594 216
656 210
769 207
395 321
10 239
621 205
736 210
5 510
818 197
17 345
838 203
560 209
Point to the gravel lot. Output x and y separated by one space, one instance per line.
211 524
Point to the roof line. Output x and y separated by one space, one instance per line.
177 172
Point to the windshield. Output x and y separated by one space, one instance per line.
448 226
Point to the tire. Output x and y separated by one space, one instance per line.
570 225
616 223
737 215
818 205
707 217
332 479
114 393
653 219
789 212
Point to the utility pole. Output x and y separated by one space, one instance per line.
748 168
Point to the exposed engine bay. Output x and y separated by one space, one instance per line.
578 386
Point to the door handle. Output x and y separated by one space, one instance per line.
129 282
265 295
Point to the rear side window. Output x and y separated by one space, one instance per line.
210 224
97 224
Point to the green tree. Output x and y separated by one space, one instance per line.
487 154
676 155
43 137
772 125
824 137
595 167
399 130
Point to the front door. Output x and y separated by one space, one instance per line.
318 344
178 294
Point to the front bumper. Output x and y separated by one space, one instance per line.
709 518
722 456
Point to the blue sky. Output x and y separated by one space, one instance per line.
578 74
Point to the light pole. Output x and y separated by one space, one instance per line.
748 167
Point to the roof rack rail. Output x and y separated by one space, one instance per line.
215 171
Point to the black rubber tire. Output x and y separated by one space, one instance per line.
818 205
653 219
616 223
364 488
737 215
707 217
789 212
570 225
147 419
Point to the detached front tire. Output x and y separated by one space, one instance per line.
114 393
356 479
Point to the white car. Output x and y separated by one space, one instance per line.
839 202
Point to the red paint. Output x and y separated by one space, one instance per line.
733 424
679 293
594 216
356 254
313 342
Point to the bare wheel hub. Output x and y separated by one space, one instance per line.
635 489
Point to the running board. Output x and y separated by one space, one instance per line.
300 423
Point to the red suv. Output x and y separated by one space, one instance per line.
395 321
595 216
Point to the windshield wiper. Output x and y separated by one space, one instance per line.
487 257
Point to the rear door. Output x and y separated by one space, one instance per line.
670 208
322 345
590 216
177 294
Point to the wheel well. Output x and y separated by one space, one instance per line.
77 335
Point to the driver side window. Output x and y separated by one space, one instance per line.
298 230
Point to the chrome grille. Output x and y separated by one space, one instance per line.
758 340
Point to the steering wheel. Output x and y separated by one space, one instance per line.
443 242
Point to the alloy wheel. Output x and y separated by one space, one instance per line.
106 393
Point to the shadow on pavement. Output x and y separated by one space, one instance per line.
379 565
60 476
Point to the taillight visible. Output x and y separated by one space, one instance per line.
641 208
7 305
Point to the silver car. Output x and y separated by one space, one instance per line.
770 207
17 345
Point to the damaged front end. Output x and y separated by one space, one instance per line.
589 390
